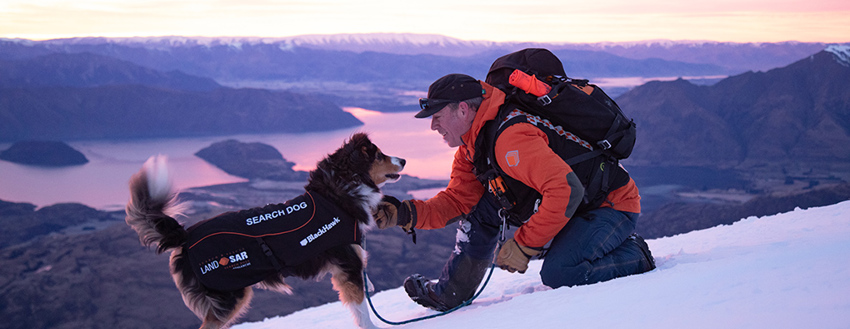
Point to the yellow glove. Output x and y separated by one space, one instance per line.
514 257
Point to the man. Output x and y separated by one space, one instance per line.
585 247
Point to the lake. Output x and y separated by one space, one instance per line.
102 183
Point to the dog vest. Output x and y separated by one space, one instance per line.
238 249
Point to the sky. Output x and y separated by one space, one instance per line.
782 271
489 20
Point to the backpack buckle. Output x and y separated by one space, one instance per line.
604 144
544 100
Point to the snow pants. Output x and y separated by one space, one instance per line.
592 247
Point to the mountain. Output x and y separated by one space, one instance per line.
90 70
681 217
136 111
370 71
67 96
389 71
401 61
737 57
798 114
782 271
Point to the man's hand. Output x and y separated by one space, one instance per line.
514 257
391 212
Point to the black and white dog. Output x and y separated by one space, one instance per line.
215 262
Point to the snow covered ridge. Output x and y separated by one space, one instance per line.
782 271
841 52
382 38
309 39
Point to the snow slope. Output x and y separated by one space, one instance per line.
789 270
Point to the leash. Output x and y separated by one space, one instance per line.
466 303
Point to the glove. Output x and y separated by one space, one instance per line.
391 212
514 257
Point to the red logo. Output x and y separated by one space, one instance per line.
512 158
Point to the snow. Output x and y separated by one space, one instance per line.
789 270
841 52
382 38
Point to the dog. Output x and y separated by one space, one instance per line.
216 285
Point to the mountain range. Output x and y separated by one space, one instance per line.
379 71
797 114
61 96
176 86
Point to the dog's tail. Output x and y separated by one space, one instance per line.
152 206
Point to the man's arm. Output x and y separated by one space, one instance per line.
463 192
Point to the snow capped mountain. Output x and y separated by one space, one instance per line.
841 52
782 271
398 43
739 57
383 38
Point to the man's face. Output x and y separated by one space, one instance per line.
452 122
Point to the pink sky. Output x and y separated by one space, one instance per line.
493 20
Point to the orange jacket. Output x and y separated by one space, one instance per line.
535 165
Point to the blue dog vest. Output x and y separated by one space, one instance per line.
238 249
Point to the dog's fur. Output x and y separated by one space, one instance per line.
350 177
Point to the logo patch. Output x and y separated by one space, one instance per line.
512 158
322 230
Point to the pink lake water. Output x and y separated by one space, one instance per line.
102 183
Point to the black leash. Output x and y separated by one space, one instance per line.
466 303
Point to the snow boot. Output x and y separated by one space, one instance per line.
646 253
422 292
458 282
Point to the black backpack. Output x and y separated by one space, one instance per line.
534 81
594 117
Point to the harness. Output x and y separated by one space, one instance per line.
238 249
599 174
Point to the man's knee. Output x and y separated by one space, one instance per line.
555 276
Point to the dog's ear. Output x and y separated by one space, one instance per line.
362 143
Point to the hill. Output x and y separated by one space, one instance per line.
90 70
782 271
71 96
370 71
795 116
135 111
387 72
43 153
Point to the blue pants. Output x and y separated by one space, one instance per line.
592 247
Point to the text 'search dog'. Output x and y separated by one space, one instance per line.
215 262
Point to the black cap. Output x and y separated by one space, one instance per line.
449 89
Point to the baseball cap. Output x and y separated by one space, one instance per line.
451 88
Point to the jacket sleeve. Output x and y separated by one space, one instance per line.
464 192
523 153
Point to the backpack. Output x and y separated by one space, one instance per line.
534 81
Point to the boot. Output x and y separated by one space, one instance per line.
421 291
457 284
650 261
